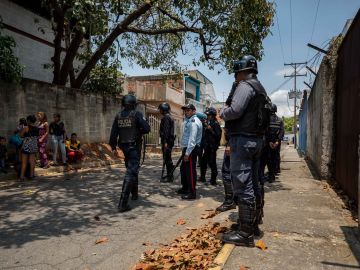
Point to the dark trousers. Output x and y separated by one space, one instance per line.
200 154
168 159
278 159
244 164
188 172
132 162
209 159
269 158
225 170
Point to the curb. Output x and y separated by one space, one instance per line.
223 256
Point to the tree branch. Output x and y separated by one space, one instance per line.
172 17
118 30
59 17
161 31
70 56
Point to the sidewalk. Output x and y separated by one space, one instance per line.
306 225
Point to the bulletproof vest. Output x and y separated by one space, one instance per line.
275 124
248 123
128 132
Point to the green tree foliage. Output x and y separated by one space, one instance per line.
105 79
288 124
10 69
151 33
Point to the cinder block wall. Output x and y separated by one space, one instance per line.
90 116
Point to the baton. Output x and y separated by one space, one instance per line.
173 170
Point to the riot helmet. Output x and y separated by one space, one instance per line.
164 107
129 101
201 116
273 108
211 111
246 62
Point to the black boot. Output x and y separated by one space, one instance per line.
258 218
135 190
245 235
202 179
229 203
123 205
202 173
213 178
271 178
170 175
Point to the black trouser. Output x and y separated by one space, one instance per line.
188 172
278 159
168 159
132 164
209 158
200 154
269 159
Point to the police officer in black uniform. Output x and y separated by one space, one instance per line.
246 120
229 201
167 139
271 152
212 139
127 130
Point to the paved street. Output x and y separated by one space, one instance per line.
49 223
306 225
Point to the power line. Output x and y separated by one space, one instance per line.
281 44
295 92
300 68
313 28
291 32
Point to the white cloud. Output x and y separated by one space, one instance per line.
288 71
280 99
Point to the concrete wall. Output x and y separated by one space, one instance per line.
303 124
320 121
90 116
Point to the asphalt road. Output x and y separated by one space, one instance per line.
49 223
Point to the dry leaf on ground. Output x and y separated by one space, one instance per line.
196 250
242 267
208 215
180 221
102 240
144 266
261 245
29 192
276 234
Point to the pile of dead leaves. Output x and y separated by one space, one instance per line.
195 250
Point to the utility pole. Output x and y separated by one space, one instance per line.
294 93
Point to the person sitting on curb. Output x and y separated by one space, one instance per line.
74 153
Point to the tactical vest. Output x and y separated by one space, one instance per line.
250 123
128 132
275 125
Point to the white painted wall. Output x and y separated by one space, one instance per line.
32 54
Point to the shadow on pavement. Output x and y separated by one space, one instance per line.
62 205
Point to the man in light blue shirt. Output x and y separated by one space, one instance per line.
190 143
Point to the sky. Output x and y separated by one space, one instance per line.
300 22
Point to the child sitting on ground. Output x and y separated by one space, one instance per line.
74 153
